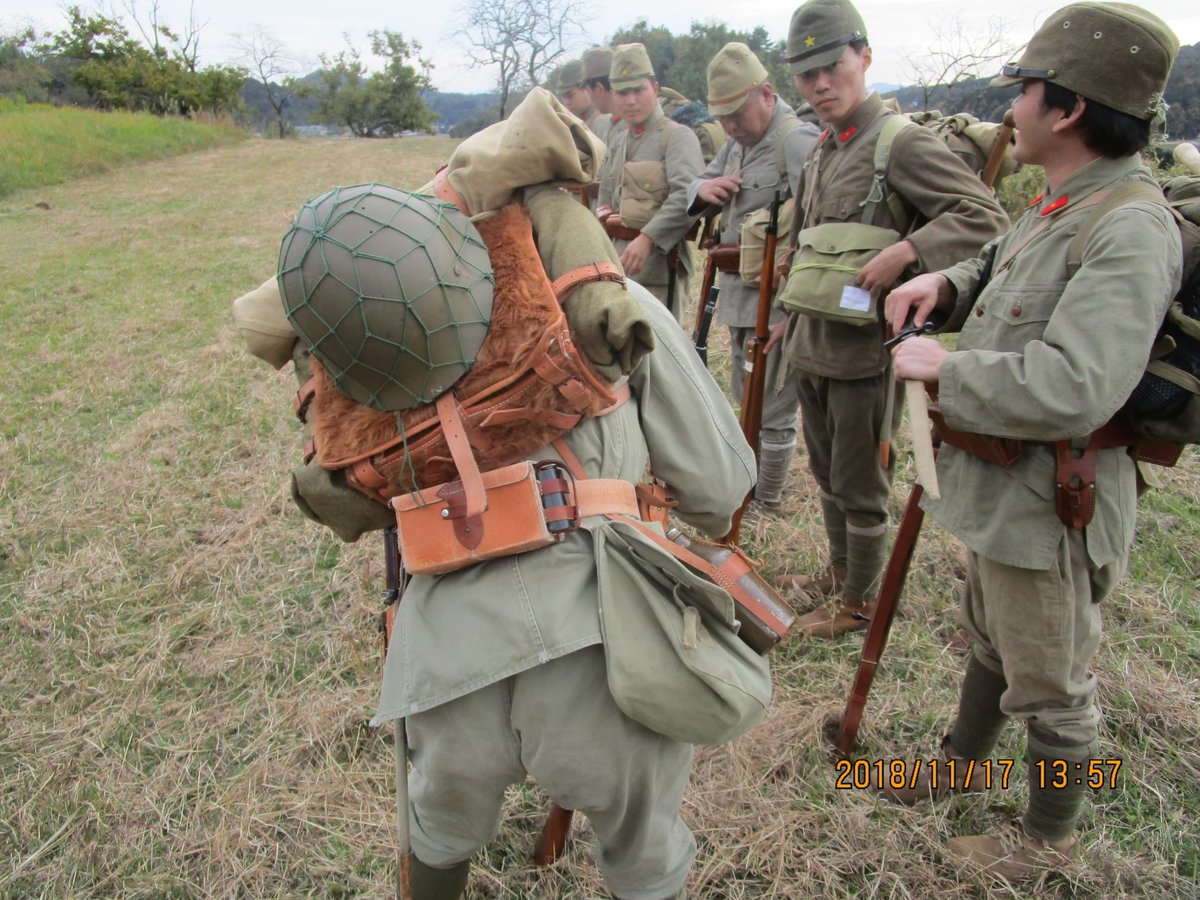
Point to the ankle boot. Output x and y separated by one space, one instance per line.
431 883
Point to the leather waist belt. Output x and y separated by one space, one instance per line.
726 257
1075 468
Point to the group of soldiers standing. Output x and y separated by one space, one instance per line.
1092 79
506 667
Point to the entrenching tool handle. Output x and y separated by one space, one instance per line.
881 622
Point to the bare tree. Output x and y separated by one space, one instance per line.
523 38
955 54
271 65
185 45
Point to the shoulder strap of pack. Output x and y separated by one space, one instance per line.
1131 192
879 193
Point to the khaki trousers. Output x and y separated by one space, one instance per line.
841 421
559 723
1041 628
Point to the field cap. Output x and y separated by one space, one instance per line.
1117 54
597 63
630 65
818 32
733 74
570 75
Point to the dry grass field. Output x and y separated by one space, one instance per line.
188 666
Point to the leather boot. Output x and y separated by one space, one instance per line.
1015 855
935 779
774 463
430 883
832 620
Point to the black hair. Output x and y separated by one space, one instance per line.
1105 130
598 81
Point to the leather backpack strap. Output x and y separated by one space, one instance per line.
564 285
455 431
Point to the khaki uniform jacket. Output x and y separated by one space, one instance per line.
954 216
459 632
1043 358
787 141
600 124
675 146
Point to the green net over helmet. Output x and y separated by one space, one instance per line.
391 291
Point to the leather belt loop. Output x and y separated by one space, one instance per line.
455 431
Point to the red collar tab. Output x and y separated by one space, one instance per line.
824 134
847 134
1036 200
616 118
1054 206
638 130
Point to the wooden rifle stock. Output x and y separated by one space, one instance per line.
552 839
996 157
706 309
754 388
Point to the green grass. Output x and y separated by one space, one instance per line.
188 664
43 145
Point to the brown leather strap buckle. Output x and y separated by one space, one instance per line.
564 285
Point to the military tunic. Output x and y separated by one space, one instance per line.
843 371
601 124
787 141
1044 358
498 669
661 140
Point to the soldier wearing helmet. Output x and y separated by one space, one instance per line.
1049 350
500 668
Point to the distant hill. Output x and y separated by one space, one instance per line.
974 97
451 109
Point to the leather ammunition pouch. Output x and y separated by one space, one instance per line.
1075 467
726 257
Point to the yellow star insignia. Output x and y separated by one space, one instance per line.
810 41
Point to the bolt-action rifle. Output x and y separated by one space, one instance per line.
755 377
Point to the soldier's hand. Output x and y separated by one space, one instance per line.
919 297
884 270
777 332
919 359
603 212
635 255
717 191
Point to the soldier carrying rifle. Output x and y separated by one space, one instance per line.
764 155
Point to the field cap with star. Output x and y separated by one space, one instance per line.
570 75
1117 54
630 65
818 32
733 75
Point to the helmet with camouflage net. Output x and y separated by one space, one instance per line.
391 291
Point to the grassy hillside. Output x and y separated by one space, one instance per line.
44 145
189 665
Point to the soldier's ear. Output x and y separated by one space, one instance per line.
866 58
1069 120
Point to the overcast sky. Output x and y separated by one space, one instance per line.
898 29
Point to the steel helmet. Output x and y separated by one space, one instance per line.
391 291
